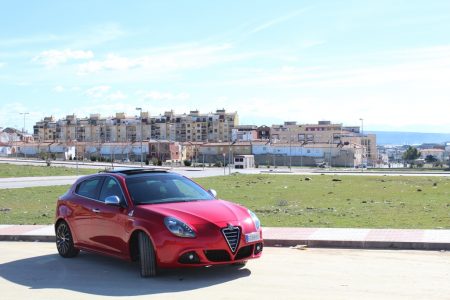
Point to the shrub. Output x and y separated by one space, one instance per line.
187 163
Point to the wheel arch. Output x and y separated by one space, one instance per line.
62 219
133 243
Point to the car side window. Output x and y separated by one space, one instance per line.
111 187
89 188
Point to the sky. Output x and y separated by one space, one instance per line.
386 62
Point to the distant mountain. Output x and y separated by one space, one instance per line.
409 138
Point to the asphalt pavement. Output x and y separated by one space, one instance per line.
35 271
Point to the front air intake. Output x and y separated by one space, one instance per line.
232 235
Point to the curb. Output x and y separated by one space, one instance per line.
376 245
27 238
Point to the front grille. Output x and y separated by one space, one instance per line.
217 255
244 252
232 235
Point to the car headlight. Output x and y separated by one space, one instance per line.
255 219
178 227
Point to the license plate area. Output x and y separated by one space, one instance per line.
252 237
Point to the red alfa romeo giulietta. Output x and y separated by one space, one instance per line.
158 217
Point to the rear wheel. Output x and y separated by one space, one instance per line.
64 241
147 257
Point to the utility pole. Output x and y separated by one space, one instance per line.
24 115
76 142
290 150
140 117
23 130
362 142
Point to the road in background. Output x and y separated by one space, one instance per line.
189 172
35 271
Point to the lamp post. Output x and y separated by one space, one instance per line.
24 115
140 118
362 142
290 150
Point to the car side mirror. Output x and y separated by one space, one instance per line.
213 193
112 200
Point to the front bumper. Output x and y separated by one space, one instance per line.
206 249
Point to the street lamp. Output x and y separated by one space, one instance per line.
362 142
24 115
290 150
23 130
140 117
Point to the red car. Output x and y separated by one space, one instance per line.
155 216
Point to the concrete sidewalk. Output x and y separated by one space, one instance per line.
412 239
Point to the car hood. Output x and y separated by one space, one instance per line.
217 212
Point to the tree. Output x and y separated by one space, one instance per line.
430 159
411 154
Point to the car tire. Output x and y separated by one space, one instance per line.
64 241
147 257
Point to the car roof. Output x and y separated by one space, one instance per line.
136 171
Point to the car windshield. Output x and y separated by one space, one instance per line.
164 188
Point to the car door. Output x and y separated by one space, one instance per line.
109 222
83 206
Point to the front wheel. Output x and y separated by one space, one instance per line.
147 257
64 241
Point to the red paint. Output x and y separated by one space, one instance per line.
110 229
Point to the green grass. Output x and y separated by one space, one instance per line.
29 205
355 201
290 200
10 170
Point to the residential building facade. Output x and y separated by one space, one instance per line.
192 127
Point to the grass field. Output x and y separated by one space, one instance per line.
286 200
29 205
10 170
340 201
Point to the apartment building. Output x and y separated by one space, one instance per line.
325 132
244 133
93 129
192 127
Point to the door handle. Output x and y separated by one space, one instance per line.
96 210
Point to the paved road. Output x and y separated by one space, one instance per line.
22 182
35 271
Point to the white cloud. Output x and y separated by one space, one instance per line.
103 92
97 91
276 21
2 64
156 95
51 58
427 67
161 61
117 96
59 89
38 39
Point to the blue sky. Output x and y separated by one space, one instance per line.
387 62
